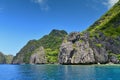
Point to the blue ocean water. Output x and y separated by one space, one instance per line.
59 72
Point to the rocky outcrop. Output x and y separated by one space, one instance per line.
80 48
100 43
2 58
38 57
24 55
51 44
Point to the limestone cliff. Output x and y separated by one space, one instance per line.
100 43
33 53
38 57
82 49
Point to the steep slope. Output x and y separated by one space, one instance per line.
50 43
100 43
109 23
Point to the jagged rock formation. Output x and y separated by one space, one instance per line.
51 44
2 58
81 49
38 57
100 43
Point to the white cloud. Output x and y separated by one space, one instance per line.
43 4
110 3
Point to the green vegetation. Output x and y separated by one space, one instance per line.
109 24
80 41
98 45
74 46
51 44
116 55
27 51
51 55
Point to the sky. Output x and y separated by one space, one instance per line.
24 20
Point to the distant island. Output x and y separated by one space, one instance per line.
5 59
99 44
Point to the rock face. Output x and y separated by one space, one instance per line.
76 50
24 55
80 48
38 57
51 44
2 58
100 43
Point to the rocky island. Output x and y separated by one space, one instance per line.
100 43
44 50
5 59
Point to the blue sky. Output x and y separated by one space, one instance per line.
24 20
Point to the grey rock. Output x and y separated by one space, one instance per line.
82 49
73 36
101 56
38 57
83 53
113 59
18 59
76 50
66 51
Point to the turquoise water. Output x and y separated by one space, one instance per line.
59 72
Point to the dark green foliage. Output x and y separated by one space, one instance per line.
109 24
26 51
59 33
51 44
116 55
52 55
98 45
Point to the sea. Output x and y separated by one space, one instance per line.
59 72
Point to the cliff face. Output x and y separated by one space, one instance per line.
80 48
38 57
32 53
100 43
